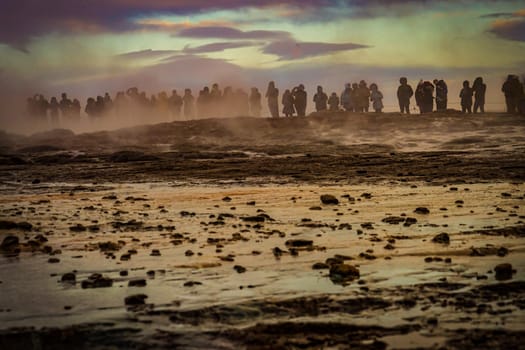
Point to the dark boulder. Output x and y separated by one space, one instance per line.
329 199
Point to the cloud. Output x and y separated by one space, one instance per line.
291 49
168 55
218 32
23 20
511 26
217 47
145 54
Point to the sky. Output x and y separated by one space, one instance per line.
88 47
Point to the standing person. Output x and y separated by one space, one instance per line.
376 97
320 99
419 96
513 90
188 100
91 108
466 97
65 106
363 96
175 104
354 96
441 95
272 94
203 102
215 101
404 93
428 97
333 102
346 98
75 109
255 102
479 89
288 102
300 99
54 108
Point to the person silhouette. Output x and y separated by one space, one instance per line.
441 95
188 100
479 89
300 100
272 94
404 93
363 96
346 98
175 104
65 106
320 99
288 103
333 102
376 97
466 97
54 108
255 102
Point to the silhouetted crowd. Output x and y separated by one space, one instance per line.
356 97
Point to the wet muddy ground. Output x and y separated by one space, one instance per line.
337 237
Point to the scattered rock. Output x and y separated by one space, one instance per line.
410 221
96 280
78 228
11 225
393 220
137 283
329 199
10 244
503 271
442 238
136 299
69 277
191 283
155 252
226 199
239 268
299 243
53 260
343 273
422 210
320 266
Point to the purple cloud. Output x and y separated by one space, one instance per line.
23 20
511 29
291 49
230 33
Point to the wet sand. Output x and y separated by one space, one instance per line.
214 234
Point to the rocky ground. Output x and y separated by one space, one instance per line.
333 231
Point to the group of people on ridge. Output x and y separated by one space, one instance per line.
229 102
